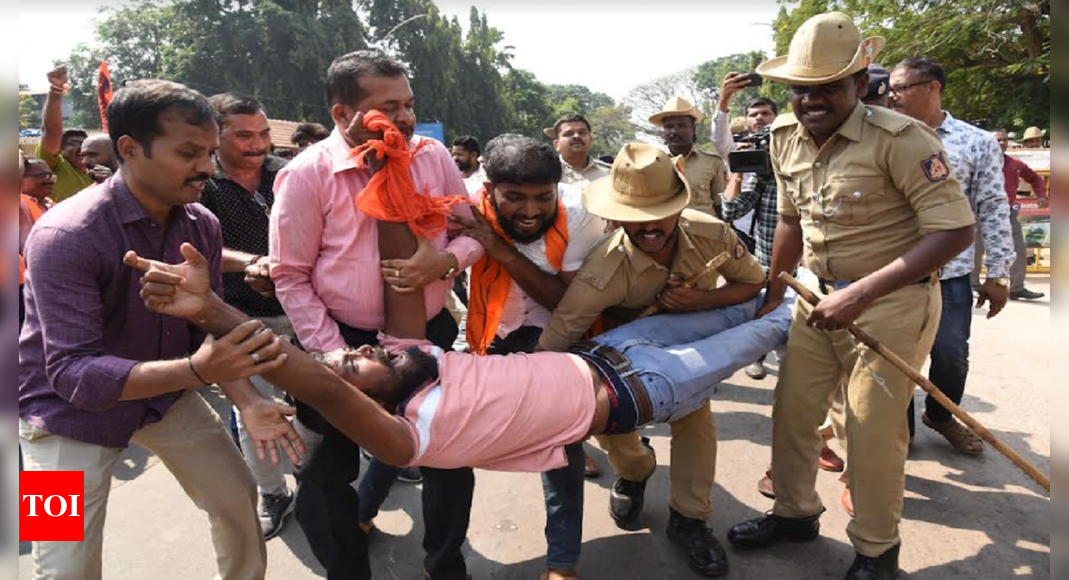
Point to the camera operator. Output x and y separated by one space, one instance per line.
757 117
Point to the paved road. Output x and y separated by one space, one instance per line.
976 519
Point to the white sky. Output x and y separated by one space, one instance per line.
609 46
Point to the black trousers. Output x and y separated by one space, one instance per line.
328 507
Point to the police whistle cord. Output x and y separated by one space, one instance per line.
710 267
915 376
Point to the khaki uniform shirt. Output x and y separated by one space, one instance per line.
707 175
593 171
621 281
868 196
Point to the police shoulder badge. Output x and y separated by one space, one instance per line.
936 168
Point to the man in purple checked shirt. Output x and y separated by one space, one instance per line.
98 371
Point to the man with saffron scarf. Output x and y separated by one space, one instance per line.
536 234
325 262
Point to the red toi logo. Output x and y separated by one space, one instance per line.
52 506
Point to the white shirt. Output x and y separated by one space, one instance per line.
585 232
476 182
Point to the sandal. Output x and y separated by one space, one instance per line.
959 437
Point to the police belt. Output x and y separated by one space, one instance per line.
829 286
617 369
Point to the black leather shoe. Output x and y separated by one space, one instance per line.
1026 295
770 530
705 554
629 497
883 568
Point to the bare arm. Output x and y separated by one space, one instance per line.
235 261
52 117
183 291
786 254
406 313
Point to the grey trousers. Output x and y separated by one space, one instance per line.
1020 265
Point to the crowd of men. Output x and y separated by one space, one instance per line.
890 202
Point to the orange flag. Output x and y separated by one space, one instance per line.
104 93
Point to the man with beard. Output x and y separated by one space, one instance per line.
706 173
326 265
98 371
572 138
867 196
466 152
240 194
98 156
536 235
660 243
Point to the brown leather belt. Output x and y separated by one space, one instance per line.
621 366
829 286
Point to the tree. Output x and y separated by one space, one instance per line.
612 129
29 117
986 46
649 98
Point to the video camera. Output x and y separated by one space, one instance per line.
755 158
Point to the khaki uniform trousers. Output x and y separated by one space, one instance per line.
194 445
817 363
693 467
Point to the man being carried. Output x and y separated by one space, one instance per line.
415 405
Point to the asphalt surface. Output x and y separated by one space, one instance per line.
969 518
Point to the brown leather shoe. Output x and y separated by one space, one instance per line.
829 461
848 502
765 486
592 470
958 435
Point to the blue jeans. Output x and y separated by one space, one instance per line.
950 355
682 357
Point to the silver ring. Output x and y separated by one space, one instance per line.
255 358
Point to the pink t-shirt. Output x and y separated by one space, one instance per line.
502 413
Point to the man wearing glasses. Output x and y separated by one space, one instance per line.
241 194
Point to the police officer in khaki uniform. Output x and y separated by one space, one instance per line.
706 172
573 137
867 196
659 243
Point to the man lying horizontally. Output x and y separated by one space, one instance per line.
409 403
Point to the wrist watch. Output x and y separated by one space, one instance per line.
452 269
1004 282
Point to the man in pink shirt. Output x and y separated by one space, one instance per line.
411 403
326 268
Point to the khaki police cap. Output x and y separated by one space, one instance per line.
827 48
677 107
1033 133
645 185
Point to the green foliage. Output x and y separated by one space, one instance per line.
612 129
997 52
28 115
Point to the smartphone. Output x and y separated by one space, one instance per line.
756 80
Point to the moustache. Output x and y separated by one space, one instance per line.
198 178
650 233
255 154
